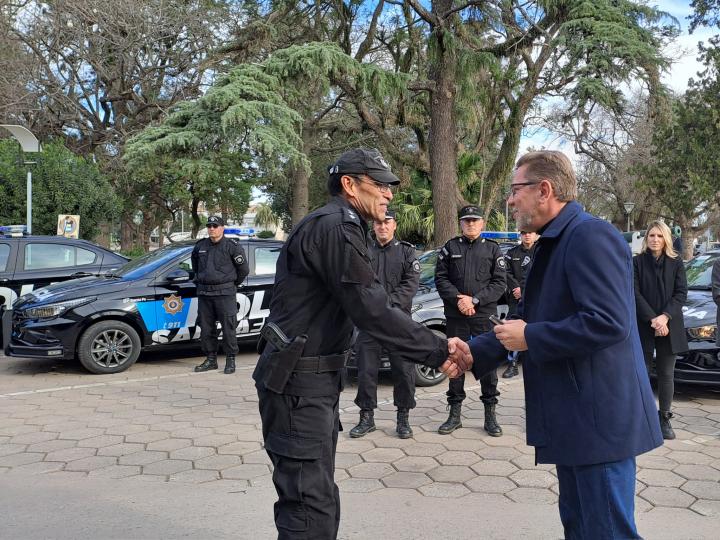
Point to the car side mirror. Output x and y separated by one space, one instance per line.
178 276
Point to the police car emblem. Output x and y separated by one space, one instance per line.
239 259
501 262
526 261
173 304
416 266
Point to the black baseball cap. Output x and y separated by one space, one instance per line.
365 161
215 220
389 214
470 212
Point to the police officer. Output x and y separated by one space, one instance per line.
470 278
325 284
519 260
220 265
398 269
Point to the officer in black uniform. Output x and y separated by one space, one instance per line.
325 285
519 260
220 265
398 269
470 278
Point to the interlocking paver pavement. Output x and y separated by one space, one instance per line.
191 428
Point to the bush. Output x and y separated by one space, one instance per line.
265 234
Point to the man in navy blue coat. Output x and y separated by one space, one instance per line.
589 406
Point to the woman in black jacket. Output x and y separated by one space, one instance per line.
660 292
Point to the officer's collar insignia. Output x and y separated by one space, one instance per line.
173 304
352 214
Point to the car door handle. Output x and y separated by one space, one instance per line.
80 274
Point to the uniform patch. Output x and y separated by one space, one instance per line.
416 266
501 262
239 259
173 304
526 261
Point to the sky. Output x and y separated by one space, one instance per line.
685 66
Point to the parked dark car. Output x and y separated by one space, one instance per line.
31 262
105 321
701 365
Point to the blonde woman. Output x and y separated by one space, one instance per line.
660 292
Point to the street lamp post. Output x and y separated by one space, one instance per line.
628 210
28 143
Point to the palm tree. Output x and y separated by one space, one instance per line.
265 217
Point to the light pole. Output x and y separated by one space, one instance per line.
28 143
628 210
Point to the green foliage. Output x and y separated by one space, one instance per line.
265 234
62 183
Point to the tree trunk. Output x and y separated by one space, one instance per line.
195 217
442 143
127 229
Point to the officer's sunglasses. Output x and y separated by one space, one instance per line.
212 225
382 188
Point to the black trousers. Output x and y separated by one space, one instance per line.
465 329
214 309
301 436
664 368
368 363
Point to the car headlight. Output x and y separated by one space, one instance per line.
55 310
703 332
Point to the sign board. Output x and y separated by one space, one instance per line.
68 225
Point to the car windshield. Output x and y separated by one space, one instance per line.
148 263
427 269
699 271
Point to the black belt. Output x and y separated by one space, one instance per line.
322 364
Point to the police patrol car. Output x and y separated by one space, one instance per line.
105 321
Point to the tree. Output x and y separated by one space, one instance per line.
63 183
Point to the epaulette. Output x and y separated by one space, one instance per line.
235 241
459 238
490 240
351 216
408 244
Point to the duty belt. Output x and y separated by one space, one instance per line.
322 364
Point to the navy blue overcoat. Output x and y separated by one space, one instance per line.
587 394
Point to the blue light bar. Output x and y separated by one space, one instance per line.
239 231
500 235
13 230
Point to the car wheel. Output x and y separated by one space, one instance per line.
427 376
109 347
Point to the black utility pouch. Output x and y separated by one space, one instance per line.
282 363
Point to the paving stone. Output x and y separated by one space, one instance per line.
246 471
490 484
406 480
231 486
707 508
703 489
259 456
33 437
214 440
527 461
444 490
457 458
370 470
147 437
101 441
9 449
90 463
698 472
70 454
344 460
38 467
533 479
420 464
167 467
509 441
359 485
690 458
466 445
424 449
115 471
126 429
79 434
193 476
151 419
383 455
168 445
656 462
67 476
654 477
494 467
218 462
663 496
51 446
340 475
499 453
144 457
354 445
122 449
712 451
532 496
451 473
390 440
17 430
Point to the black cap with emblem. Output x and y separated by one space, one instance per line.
365 161
215 220
389 214
470 212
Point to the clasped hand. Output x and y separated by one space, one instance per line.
659 324
459 358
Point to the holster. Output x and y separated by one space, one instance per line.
282 363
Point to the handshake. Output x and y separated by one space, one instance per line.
459 358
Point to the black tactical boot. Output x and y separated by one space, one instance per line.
511 370
491 425
365 426
229 364
665 427
453 422
209 363
403 429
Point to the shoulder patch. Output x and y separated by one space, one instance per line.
239 259
501 262
416 266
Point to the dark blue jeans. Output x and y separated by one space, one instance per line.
597 502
